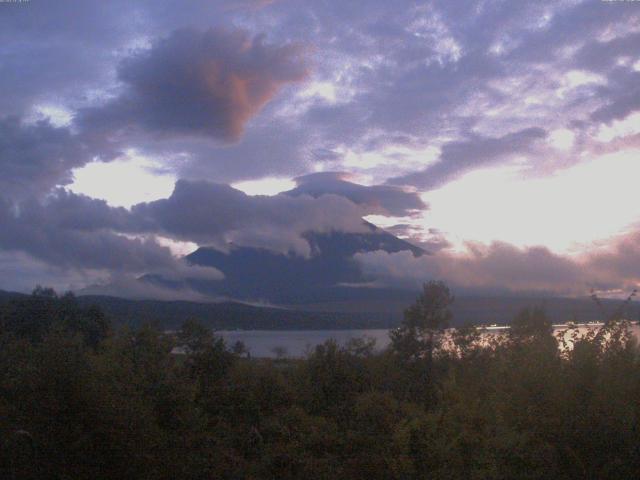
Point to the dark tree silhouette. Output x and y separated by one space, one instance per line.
423 323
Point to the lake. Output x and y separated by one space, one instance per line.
296 343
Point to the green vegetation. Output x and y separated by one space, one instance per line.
81 400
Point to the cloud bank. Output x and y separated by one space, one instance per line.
500 267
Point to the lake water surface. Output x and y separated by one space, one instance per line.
296 343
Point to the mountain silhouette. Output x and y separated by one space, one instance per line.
329 273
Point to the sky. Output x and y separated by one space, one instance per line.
502 136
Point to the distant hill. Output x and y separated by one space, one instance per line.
6 296
223 315
231 315
483 309
380 313
383 313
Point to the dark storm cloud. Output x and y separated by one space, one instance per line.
408 67
599 56
69 211
77 231
382 199
34 229
453 59
209 213
622 95
569 24
397 80
53 51
603 36
458 158
400 70
412 66
82 237
272 148
207 83
409 100
36 157
614 59
65 51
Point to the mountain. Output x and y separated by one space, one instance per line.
328 274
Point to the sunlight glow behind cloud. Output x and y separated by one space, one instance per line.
619 128
562 139
265 186
134 180
56 114
566 212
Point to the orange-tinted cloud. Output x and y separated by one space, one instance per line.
197 83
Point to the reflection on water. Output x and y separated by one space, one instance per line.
297 343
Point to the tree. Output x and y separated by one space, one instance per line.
195 337
239 349
207 359
531 323
279 351
90 323
423 323
33 317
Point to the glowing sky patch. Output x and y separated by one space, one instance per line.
566 212
323 90
395 158
619 128
562 139
177 247
123 183
265 186
57 115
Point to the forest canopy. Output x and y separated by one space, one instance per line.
84 400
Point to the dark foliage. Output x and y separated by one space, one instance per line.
79 400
